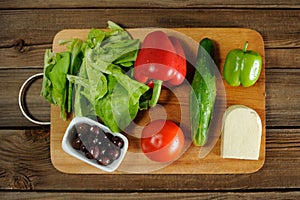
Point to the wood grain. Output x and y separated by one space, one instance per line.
276 195
33 57
189 163
146 4
280 84
23 56
10 115
39 26
283 102
29 26
34 170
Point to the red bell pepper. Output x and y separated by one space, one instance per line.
181 63
160 59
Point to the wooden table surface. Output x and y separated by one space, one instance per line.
27 28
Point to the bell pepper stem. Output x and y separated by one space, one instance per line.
245 46
156 92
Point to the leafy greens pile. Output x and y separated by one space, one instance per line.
99 70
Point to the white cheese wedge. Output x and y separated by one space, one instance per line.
241 133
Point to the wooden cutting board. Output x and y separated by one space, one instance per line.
174 106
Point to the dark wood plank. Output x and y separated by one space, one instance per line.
274 195
145 4
11 82
23 53
280 28
25 164
277 58
23 56
33 57
282 98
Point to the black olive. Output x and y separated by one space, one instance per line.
76 143
114 153
88 155
96 140
83 148
101 136
83 128
109 145
94 151
100 143
109 136
102 150
118 141
97 144
103 160
95 130
73 132
89 140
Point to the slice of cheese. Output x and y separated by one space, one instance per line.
241 133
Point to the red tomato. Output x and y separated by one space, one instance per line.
162 140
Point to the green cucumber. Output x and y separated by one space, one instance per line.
203 93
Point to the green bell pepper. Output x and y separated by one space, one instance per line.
242 66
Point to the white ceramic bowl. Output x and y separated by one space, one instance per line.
68 148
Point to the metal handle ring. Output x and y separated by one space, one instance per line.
21 99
